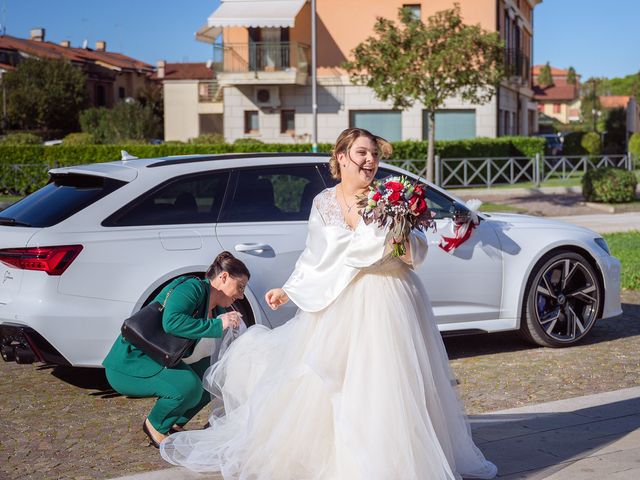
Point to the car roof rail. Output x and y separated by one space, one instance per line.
232 156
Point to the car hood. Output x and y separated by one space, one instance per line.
517 220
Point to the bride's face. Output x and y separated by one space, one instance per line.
359 165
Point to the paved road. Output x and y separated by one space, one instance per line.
606 222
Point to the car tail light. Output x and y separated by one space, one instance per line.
52 260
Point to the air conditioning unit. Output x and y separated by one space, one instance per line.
267 96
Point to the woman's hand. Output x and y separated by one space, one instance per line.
231 319
276 297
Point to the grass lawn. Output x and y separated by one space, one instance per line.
9 198
626 247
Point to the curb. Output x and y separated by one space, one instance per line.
467 192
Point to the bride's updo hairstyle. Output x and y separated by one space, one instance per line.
226 262
346 139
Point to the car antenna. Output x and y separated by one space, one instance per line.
126 156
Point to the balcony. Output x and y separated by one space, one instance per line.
267 63
517 65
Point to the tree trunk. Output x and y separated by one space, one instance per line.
431 147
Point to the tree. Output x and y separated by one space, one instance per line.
45 95
572 78
545 79
124 123
590 106
413 61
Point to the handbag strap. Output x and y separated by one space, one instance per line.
184 279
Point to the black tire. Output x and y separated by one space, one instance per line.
243 307
24 355
8 353
562 300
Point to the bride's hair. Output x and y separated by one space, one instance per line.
346 139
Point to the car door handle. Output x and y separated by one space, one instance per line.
252 247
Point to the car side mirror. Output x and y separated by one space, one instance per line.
459 213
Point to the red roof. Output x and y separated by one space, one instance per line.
614 101
80 55
186 71
554 71
555 93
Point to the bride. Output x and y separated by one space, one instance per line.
357 386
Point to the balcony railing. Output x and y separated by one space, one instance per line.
261 57
517 64
208 91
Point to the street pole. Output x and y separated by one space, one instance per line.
314 80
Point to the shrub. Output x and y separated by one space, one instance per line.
79 138
591 143
208 139
609 185
634 147
247 141
21 139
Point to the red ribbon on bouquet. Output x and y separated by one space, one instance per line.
462 233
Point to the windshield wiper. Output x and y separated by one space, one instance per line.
13 221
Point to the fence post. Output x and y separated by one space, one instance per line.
630 161
536 170
437 169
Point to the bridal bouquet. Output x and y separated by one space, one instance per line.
400 204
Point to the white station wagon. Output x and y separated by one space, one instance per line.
99 241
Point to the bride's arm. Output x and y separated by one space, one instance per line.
416 249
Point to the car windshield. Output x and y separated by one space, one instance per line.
64 196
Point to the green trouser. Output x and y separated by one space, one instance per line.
179 391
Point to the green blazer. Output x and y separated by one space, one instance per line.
184 315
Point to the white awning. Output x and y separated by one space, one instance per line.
256 13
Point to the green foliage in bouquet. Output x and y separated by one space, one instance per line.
609 185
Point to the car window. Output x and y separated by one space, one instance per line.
190 199
62 197
268 194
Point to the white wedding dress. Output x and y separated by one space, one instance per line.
357 386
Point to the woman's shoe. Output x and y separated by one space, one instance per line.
152 441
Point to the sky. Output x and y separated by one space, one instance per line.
597 38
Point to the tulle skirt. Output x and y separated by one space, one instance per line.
361 390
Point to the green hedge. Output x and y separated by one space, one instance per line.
609 185
40 158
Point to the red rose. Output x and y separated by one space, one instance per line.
376 196
419 190
394 197
417 204
395 186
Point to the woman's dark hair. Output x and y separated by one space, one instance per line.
226 262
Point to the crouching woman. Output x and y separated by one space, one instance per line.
179 391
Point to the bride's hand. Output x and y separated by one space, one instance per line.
276 297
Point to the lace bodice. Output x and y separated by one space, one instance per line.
327 204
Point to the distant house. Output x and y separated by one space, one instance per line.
111 76
263 56
192 100
561 100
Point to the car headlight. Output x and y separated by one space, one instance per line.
602 243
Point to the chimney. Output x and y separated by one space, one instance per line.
37 34
161 64
101 46
65 43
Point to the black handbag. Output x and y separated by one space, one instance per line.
144 330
